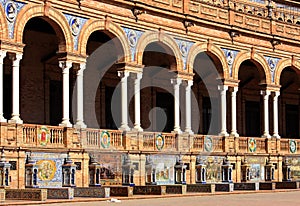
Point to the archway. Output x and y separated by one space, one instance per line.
101 81
249 99
289 103
208 72
157 91
40 75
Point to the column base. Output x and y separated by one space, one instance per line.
276 136
266 135
137 128
124 128
188 131
65 123
177 131
15 120
2 119
234 134
224 134
80 124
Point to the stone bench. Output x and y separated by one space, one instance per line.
26 194
224 187
100 192
60 193
246 186
149 190
287 185
121 191
210 188
267 186
175 189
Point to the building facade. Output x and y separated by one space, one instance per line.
146 87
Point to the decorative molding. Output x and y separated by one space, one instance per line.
76 23
184 48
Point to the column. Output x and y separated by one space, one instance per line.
2 56
137 101
188 107
176 83
275 114
266 95
65 66
16 90
233 112
223 89
124 100
80 122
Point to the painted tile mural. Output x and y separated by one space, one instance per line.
295 167
213 168
164 168
257 169
49 169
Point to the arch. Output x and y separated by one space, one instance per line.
150 37
59 24
211 49
257 59
282 64
3 24
100 25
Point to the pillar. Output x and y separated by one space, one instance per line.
65 66
233 113
16 90
176 83
223 89
80 120
124 100
275 115
137 101
2 56
188 107
266 95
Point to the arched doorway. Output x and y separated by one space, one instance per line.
101 81
207 76
157 91
289 103
250 105
40 74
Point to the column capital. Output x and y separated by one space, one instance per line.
222 88
265 92
123 74
2 55
136 75
187 83
176 81
82 67
276 94
235 89
65 66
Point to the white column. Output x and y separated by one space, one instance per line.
176 83
137 101
266 95
233 113
16 90
223 89
188 107
65 66
80 120
2 56
275 114
124 100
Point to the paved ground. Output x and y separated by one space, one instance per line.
255 199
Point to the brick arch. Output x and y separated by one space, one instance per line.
150 37
57 20
3 24
282 64
100 25
257 59
210 49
